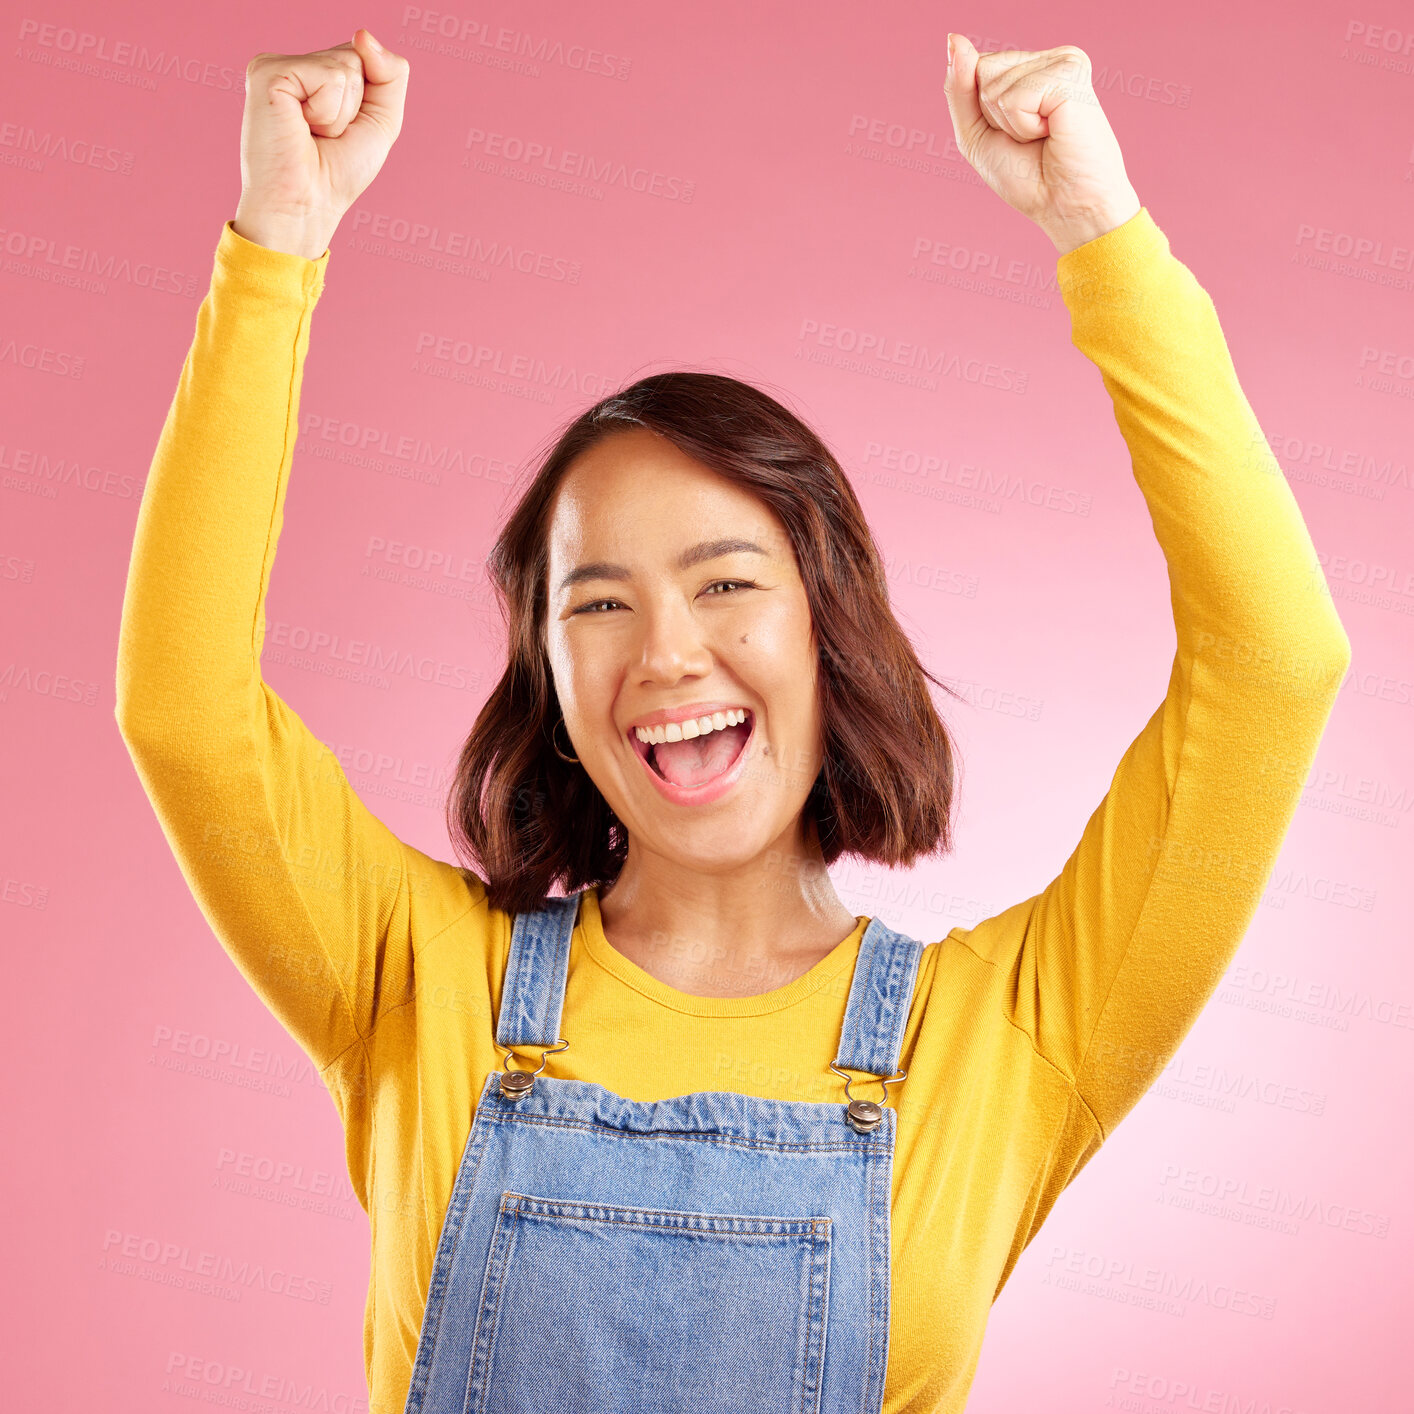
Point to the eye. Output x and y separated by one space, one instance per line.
595 606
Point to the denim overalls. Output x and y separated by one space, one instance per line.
709 1252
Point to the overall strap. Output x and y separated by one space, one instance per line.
879 999
533 993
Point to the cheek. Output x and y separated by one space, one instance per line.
583 674
775 653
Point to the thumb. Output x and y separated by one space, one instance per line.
385 82
960 88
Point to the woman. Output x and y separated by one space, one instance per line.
647 1141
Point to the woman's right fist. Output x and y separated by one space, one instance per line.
315 132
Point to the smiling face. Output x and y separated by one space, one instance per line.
659 613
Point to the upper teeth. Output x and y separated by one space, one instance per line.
694 726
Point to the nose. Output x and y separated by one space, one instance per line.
672 643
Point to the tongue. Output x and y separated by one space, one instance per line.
695 762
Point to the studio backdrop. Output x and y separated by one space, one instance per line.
581 196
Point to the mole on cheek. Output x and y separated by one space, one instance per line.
743 638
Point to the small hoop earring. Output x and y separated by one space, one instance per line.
573 759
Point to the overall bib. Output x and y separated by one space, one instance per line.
709 1252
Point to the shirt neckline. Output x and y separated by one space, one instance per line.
590 926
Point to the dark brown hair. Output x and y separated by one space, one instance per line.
527 820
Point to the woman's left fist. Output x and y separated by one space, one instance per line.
1030 124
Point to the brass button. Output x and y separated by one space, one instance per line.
864 1115
515 1083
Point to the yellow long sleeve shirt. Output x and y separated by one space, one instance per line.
1030 1035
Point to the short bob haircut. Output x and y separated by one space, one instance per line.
527 820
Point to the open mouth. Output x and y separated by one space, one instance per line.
692 766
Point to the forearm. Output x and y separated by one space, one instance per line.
189 645
1245 579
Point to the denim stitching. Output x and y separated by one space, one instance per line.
691 1136
453 1224
479 1369
812 1374
571 1207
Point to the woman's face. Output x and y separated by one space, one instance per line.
666 609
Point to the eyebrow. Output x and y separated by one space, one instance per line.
694 555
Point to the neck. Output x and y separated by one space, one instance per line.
737 931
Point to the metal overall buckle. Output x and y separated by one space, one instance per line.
515 1083
864 1116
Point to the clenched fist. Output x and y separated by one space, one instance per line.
315 132
1031 126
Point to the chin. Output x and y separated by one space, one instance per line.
726 851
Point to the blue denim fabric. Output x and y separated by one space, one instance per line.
709 1252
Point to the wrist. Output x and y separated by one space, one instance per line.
1075 231
305 236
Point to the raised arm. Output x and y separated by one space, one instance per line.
1124 947
1110 965
311 896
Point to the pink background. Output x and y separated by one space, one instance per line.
1262 145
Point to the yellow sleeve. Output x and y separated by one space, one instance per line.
313 898
1115 959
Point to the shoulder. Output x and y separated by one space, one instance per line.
440 895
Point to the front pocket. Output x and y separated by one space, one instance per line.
589 1308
